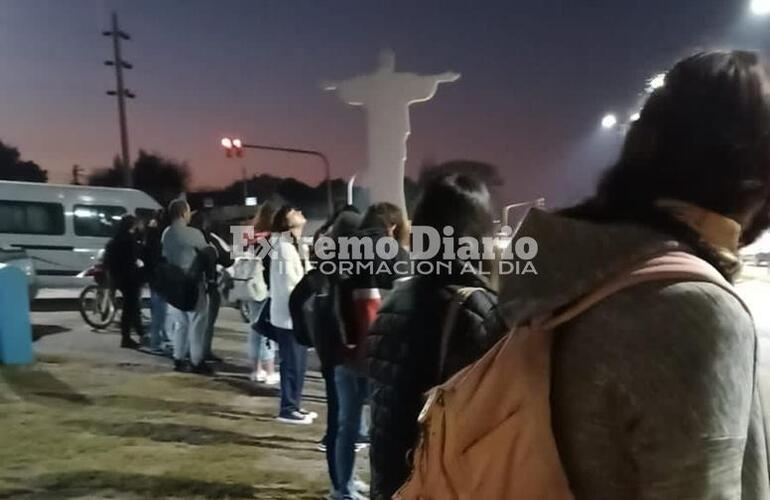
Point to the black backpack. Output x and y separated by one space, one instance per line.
315 317
177 287
181 288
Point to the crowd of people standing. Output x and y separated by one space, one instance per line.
651 386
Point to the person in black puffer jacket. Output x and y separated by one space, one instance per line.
403 359
123 260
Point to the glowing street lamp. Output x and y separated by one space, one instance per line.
634 117
760 7
609 121
656 82
227 143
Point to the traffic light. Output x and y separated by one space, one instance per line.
233 147
238 147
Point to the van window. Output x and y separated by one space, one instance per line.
97 220
27 217
145 214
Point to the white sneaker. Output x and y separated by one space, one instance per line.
309 414
295 418
361 487
273 378
261 376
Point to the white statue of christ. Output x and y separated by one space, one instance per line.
386 95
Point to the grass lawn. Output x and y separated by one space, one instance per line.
85 429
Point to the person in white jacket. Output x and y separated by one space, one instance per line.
288 264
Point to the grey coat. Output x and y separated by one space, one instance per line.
654 391
181 244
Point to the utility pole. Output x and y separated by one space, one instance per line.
121 92
245 183
76 171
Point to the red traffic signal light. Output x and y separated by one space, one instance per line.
232 147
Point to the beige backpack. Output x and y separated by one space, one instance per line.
487 431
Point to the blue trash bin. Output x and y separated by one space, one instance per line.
15 329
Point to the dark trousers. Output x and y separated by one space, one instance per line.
352 391
292 368
131 318
215 301
332 415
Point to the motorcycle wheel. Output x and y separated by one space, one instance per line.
97 306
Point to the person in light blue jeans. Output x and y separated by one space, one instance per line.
261 349
158 308
352 391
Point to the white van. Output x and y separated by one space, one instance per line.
63 228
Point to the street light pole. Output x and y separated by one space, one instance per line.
538 203
310 152
351 184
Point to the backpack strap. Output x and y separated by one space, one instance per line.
459 297
673 266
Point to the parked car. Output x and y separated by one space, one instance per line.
20 259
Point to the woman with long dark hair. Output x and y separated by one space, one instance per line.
654 390
287 267
261 349
404 341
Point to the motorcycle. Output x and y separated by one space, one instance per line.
97 301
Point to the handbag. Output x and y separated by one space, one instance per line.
177 287
263 326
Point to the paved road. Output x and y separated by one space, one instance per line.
57 314
59 330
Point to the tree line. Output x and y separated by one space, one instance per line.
164 179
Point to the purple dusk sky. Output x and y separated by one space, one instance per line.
537 78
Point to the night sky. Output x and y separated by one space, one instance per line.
537 78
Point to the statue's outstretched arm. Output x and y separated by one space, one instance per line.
449 76
424 87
